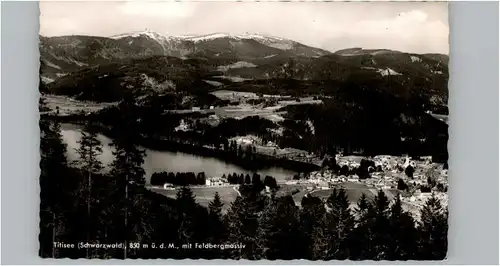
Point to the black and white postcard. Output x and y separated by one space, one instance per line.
244 130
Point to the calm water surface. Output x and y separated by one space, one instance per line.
158 161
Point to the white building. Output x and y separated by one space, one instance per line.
182 126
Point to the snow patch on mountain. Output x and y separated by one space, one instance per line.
50 64
388 71
415 59
164 41
47 80
381 52
270 56
206 37
257 37
383 72
213 83
240 64
232 78
78 63
271 41
282 45
146 33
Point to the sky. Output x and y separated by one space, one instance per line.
417 27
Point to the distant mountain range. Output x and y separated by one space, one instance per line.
75 52
90 65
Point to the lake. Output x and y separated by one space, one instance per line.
158 161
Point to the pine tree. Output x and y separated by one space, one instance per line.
433 229
265 228
341 214
312 212
236 231
325 162
270 182
361 238
186 207
370 238
362 206
126 170
404 234
380 226
333 163
402 185
54 194
89 150
332 235
42 105
215 206
128 162
409 171
242 222
278 236
248 180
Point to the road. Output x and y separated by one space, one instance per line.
237 191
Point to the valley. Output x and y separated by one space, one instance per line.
243 131
249 104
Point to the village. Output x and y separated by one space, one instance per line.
389 175
427 179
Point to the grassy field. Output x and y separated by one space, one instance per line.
69 106
355 190
244 109
204 195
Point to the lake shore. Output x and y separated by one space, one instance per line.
259 161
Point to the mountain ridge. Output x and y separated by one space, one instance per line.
246 35
120 62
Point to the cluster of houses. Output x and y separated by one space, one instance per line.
392 171
216 182
209 182
322 180
198 108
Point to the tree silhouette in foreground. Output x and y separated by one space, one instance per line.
331 236
54 193
88 151
433 229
